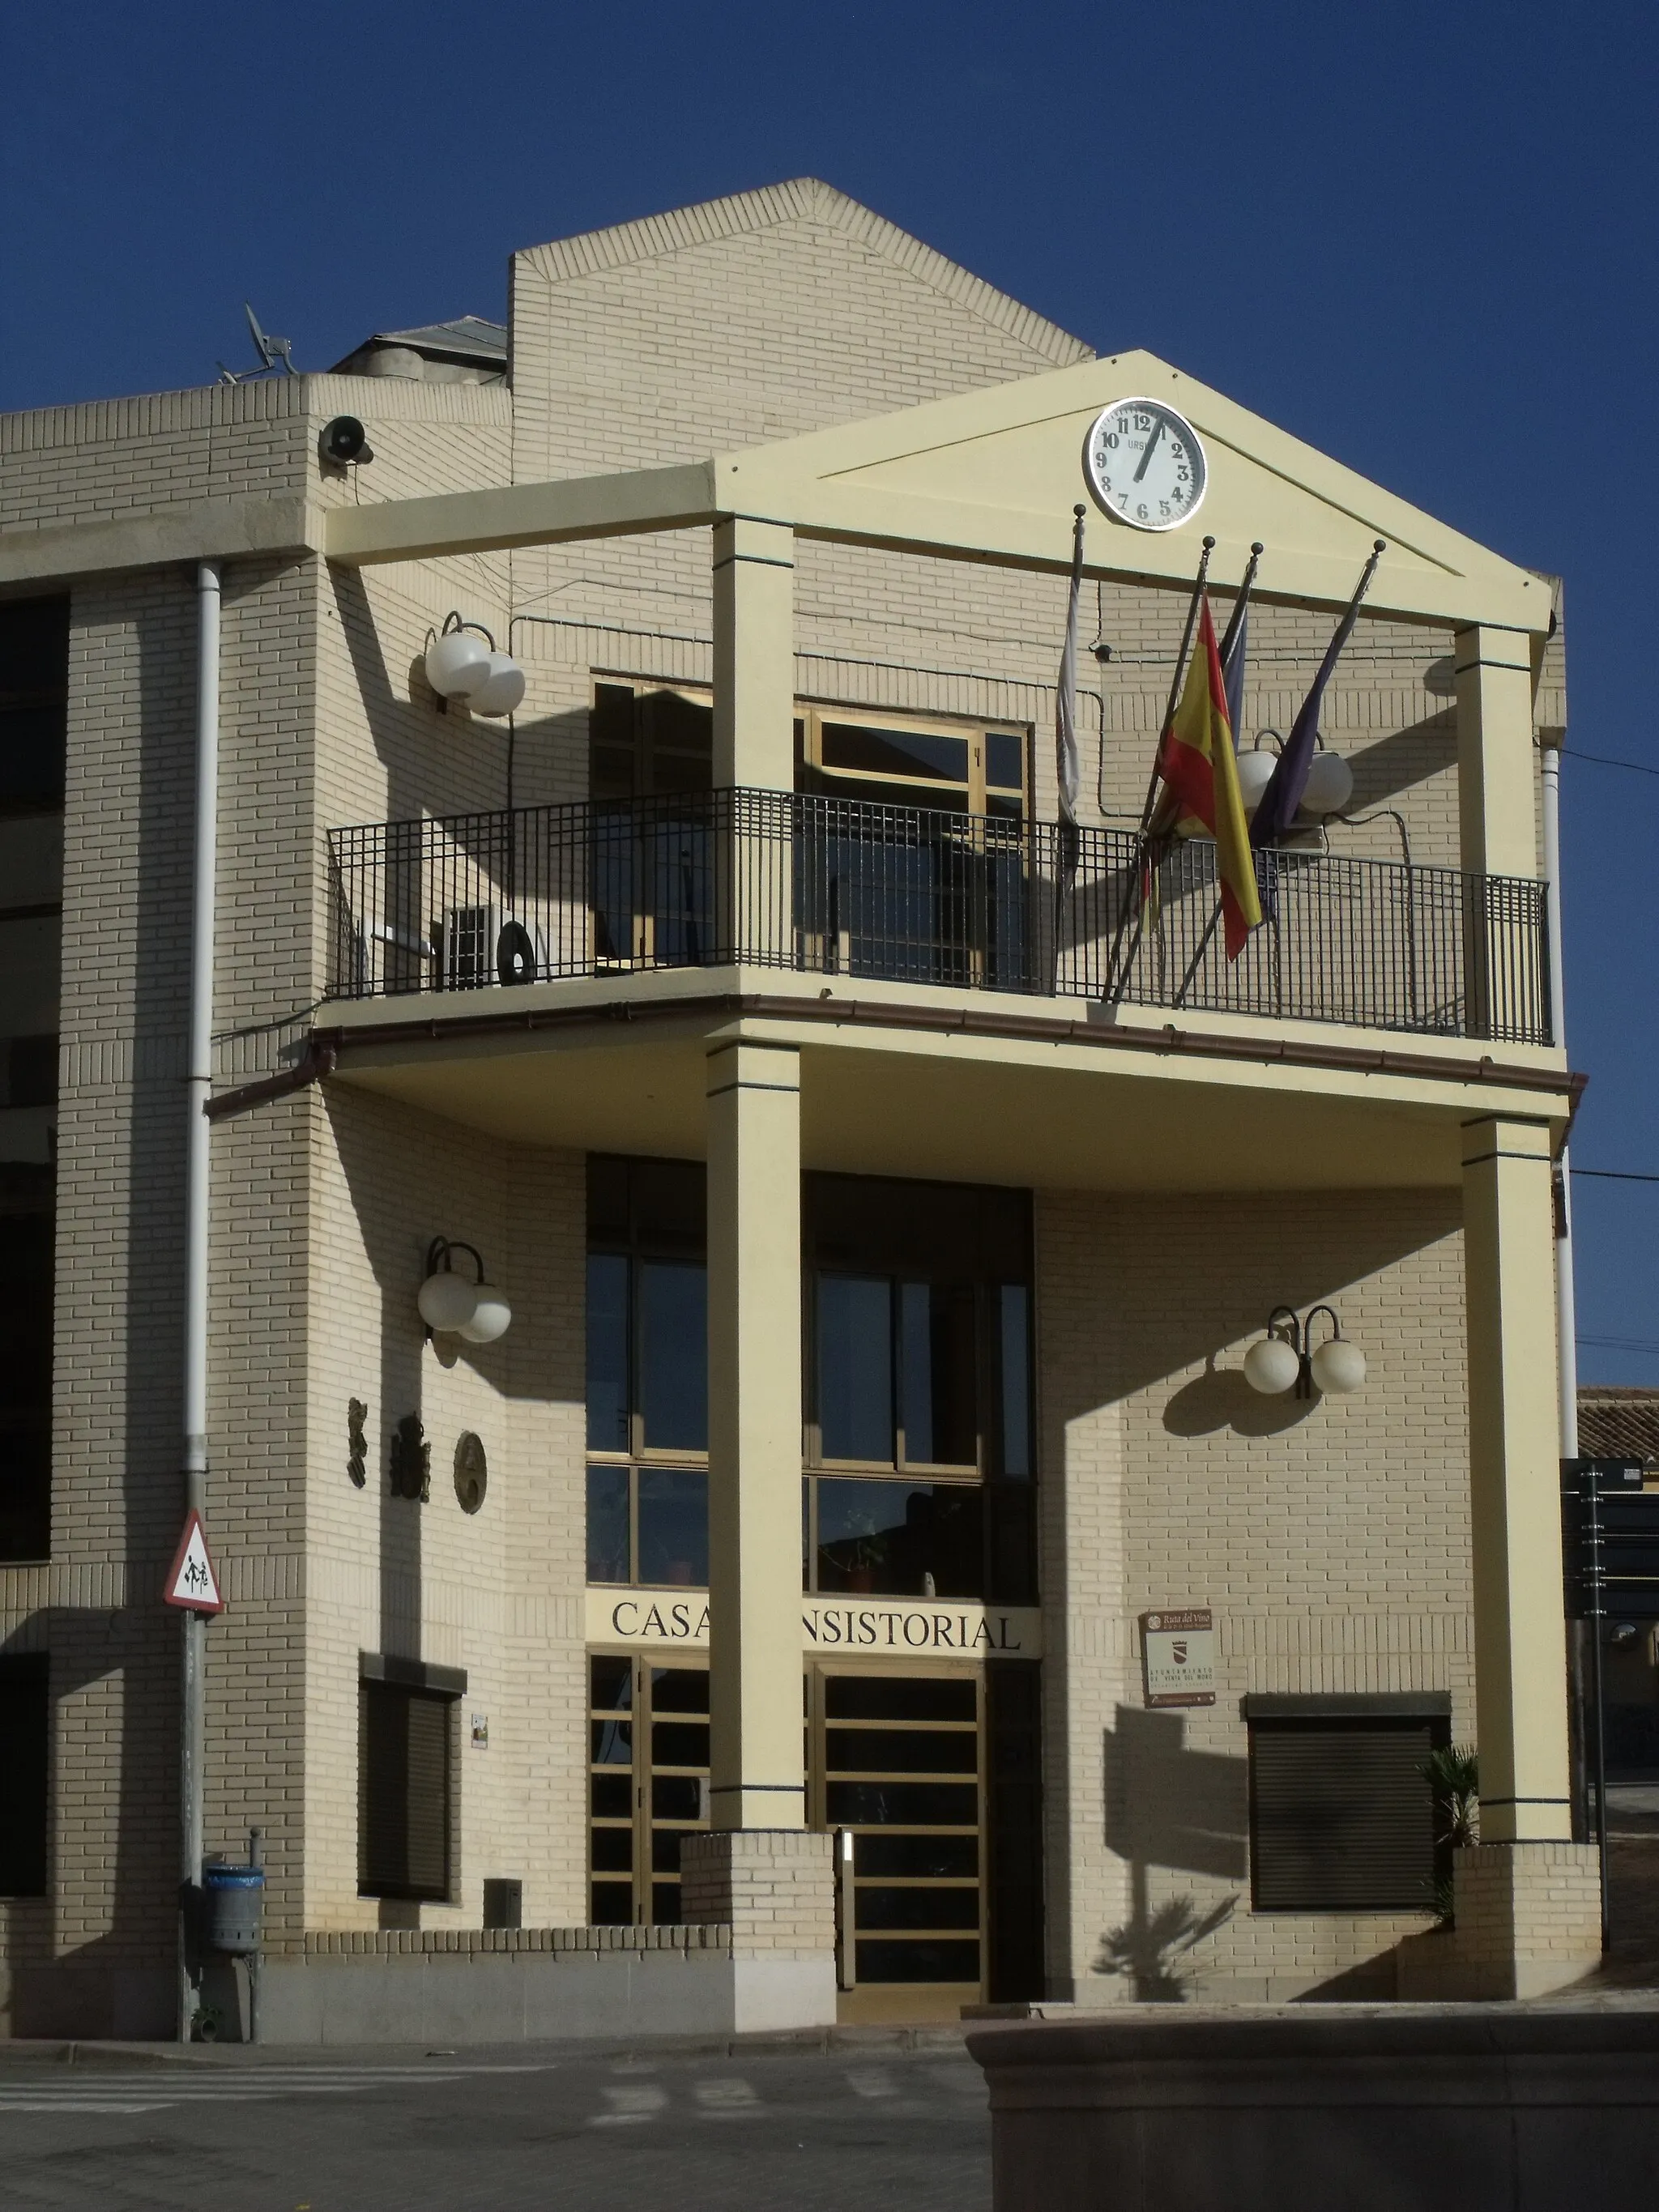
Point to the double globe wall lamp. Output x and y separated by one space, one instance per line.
1285 1358
463 663
451 1305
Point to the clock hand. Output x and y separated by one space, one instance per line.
1147 455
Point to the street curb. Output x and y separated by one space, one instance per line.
824 2042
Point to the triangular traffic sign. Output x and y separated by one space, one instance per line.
191 1580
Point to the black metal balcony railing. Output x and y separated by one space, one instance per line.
782 880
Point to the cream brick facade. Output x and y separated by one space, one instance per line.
1332 1539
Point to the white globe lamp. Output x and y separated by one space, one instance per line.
1254 773
491 1315
447 1301
1337 1367
1329 786
1271 1366
458 664
502 687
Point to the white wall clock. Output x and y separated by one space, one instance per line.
1145 464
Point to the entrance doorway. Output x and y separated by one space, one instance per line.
895 1772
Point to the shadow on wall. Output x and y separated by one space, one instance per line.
1169 1807
1220 1398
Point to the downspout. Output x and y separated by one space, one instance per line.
1565 1324
197 1161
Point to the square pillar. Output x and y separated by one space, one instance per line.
1520 1633
1497 770
754 582
756 1771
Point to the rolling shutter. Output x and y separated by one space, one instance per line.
403 1791
1341 1819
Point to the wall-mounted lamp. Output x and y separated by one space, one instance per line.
1327 790
1285 1358
451 1306
462 662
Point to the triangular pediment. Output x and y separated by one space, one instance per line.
998 472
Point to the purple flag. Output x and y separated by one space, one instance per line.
1276 811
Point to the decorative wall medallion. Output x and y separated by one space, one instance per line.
411 1460
356 1436
472 1471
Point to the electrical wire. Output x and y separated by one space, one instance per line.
1603 760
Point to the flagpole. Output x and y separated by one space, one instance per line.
1114 982
1235 622
1240 604
1295 749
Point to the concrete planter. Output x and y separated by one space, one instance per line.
1469 2108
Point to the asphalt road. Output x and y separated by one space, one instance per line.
504 2131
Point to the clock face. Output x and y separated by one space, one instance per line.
1145 464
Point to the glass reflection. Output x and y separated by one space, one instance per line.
607 1524
900 1538
1016 1379
607 1351
673 1532
855 1367
674 1355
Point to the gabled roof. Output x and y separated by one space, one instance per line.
998 470
802 199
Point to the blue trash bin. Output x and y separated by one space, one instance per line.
235 1904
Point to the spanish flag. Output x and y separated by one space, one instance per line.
1200 777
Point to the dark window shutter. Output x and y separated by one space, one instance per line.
25 1770
1013 1722
402 1792
1341 1819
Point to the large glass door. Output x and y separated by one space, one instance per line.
647 1784
896 1773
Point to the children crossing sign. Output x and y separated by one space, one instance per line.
191 1581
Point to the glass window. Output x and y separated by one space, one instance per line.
607 1351
1005 760
673 1519
894 751
674 1356
1014 1320
649 1786
855 1368
938 1384
900 1538
608 1548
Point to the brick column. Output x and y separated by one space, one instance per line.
774 1888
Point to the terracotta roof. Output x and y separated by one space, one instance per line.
1618 1418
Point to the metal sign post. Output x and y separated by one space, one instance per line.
1585 1484
192 1585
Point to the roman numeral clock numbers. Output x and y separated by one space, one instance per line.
1145 464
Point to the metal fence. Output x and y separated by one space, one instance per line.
825 885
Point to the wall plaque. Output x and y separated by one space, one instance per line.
1177 1657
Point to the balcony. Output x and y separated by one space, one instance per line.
825 886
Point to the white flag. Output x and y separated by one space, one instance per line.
1067 763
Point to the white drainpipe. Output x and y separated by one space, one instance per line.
197 1162
1566 1312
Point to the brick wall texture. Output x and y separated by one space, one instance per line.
1332 1545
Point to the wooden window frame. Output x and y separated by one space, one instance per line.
813 714
819 1673
641 1821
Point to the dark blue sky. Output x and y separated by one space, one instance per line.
1420 236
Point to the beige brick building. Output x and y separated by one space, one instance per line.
740 981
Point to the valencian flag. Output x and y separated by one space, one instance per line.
1200 777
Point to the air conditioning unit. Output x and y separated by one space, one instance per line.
473 950
469 935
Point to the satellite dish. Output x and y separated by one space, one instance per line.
274 353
